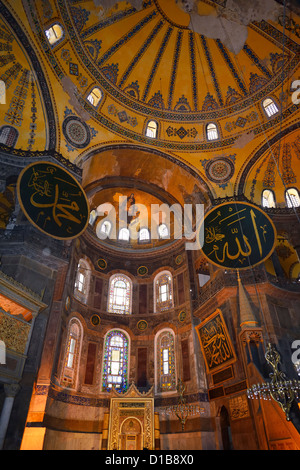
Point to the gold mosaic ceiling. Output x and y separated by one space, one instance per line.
153 60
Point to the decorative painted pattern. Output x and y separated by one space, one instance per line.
193 70
156 62
126 37
174 67
212 69
181 132
231 66
141 52
255 59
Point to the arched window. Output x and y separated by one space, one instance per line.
95 96
8 136
2 94
82 281
54 34
120 292
212 131
115 361
72 354
292 197
163 291
268 198
124 234
165 361
151 129
105 228
93 217
163 231
270 107
144 235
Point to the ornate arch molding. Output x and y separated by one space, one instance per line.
259 153
153 151
36 66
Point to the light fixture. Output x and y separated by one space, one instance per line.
182 409
280 389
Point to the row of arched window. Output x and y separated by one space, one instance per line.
120 290
115 359
103 231
211 129
291 197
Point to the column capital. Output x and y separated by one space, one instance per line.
11 390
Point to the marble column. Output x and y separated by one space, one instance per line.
11 391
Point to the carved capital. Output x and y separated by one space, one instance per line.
11 390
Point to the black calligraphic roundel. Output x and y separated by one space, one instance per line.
237 235
53 200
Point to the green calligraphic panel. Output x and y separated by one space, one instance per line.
53 200
238 235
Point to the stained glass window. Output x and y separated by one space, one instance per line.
115 364
163 291
166 361
119 294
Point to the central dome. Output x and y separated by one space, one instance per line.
172 64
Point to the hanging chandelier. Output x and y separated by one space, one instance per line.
182 409
280 389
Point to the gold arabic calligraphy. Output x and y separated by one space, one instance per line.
233 243
61 201
215 344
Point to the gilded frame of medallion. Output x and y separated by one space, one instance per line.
209 345
76 184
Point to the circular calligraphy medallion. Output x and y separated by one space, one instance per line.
95 320
142 325
237 235
219 170
76 132
179 259
142 271
53 200
102 264
182 316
